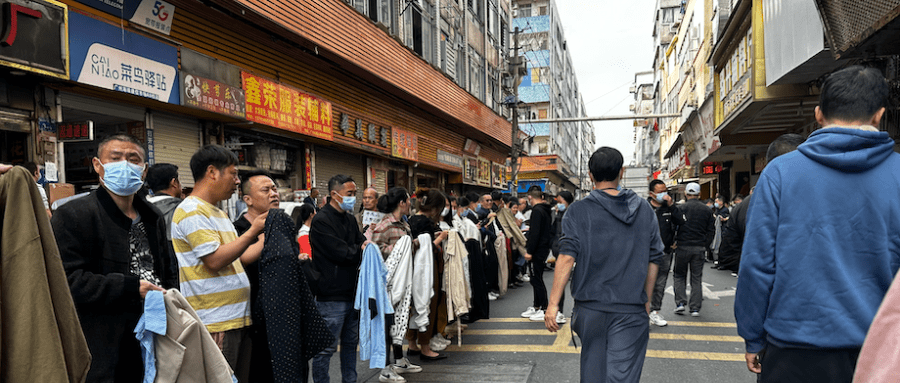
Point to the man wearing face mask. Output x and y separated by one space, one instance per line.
114 251
337 244
665 212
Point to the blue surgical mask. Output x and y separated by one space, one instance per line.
560 207
660 197
122 178
717 205
347 202
478 207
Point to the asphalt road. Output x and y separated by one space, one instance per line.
508 348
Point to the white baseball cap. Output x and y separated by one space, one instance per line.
692 188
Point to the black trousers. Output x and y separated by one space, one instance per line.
538 264
794 365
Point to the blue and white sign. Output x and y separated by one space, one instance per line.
154 14
109 57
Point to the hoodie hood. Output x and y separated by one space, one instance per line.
623 206
847 149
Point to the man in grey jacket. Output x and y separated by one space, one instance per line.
613 235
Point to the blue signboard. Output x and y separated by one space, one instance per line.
524 185
110 57
154 14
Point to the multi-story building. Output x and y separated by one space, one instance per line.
550 90
391 92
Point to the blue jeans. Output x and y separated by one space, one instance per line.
343 321
613 345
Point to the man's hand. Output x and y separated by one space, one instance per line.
303 256
667 199
366 243
527 257
753 363
492 215
550 318
647 306
4 168
147 287
259 223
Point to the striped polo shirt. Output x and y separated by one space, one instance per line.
221 299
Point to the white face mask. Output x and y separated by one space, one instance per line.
445 212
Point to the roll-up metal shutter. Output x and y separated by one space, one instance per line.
330 162
380 181
175 140
103 107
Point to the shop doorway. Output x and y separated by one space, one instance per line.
14 147
79 155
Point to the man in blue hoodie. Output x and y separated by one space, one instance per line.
613 235
821 245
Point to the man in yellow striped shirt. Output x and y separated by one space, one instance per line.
208 250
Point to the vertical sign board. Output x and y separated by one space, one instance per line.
108 57
211 95
484 172
405 145
470 170
283 107
35 37
156 15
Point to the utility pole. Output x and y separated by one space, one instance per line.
516 66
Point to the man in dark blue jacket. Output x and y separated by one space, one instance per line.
614 237
821 246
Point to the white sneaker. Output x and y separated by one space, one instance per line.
492 296
403 366
560 318
388 375
538 316
656 319
531 311
526 279
440 338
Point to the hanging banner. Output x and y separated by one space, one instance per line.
283 107
214 96
108 57
405 145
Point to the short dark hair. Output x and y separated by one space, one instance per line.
463 202
534 187
31 166
215 155
389 201
655 182
496 195
245 179
537 194
785 143
567 196
124 138
337 182
472 197
854 93
605 164
160 175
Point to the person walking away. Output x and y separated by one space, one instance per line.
537 248
337 245
696 229
614 238
209 249
665 210
259 193
563 201
821 246
114 251
736 226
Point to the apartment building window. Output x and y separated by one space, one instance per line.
443 49
543 10
461 69
667 15
477 7
378 11
420 34
476 75
524 10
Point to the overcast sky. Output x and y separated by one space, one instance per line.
609 42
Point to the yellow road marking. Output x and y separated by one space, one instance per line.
721 356
507 320
709 338
703 324
662 354
508 332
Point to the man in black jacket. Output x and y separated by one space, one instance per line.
537 248
114 251
162 180
337 247
665 214
696 230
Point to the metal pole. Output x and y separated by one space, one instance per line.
608 118
514 155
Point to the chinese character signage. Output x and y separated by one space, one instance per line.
377 135
448 158
283 107
484 172
34 37
202 93
156 15
405 145
108 57
470 169
75 131
497 171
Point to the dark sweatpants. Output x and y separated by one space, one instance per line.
613 345
538 265
795 365
659 289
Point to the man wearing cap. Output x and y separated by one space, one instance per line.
696 230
